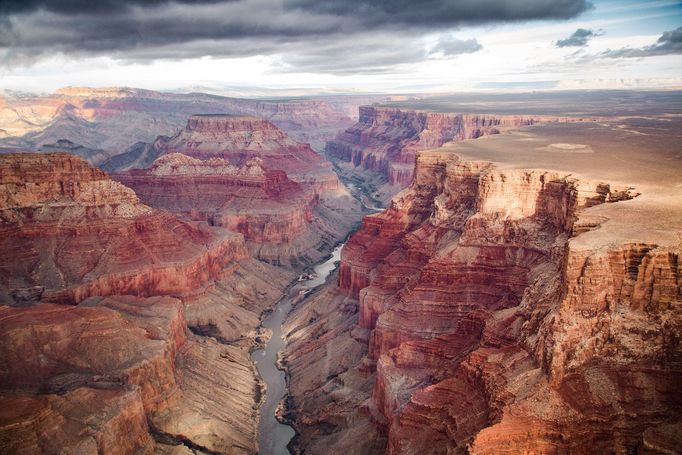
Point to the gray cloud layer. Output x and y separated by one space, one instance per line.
443 12
454 46
319 35
669 42
579 38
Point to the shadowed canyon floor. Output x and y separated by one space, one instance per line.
521 295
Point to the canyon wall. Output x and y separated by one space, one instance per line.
385 140
478 319
165 369
239 138
247 175
72 233
263 205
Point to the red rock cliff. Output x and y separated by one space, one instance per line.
386 140
72 232
491 328
245 174
263 205
241 138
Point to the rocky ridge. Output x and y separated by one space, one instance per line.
55 208
245 174
122 373
385 141
263 205
471 316
103 122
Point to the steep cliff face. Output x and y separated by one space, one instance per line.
265 206
245 174
487 329
386 140
122 375
237 139
73 233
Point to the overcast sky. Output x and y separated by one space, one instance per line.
252 46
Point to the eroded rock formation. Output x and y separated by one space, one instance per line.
486 323
72 233
115 373
237 139
245 174
103 122
385 140
263 205
122 375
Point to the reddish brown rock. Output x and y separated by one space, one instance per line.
64 336
82 421
122 368
97 370
386 140
72 233
238 139
490 329
263 205
116 375
245 174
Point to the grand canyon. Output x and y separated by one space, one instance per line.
340 228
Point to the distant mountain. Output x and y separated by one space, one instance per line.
110 120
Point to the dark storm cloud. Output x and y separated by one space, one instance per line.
669 42
453 46
436 13
142 30
579 38
83 6
220 29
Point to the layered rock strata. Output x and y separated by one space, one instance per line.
237 139
245 174
123 374
386 140
486 328
263 205
71 233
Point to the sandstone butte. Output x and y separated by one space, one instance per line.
380 148
249 176
84 369
494 308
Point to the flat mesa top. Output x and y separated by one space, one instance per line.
638 152
226 116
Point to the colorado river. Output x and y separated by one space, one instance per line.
273 436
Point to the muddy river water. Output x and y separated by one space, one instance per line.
273 436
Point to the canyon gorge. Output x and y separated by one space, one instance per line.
379 150
171 262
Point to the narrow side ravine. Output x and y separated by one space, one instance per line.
274 436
